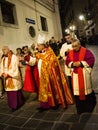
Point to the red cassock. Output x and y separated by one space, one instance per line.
31 80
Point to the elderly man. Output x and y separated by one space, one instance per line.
81 61
53 89
11 77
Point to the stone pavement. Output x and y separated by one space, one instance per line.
29 118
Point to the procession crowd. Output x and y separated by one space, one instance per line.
37 69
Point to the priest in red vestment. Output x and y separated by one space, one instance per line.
53 88
31 77
81 60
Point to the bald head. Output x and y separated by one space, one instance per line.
76 44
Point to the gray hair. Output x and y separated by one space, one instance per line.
5 47
76 40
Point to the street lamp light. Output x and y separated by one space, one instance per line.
72 28
67 30
81 17
82 26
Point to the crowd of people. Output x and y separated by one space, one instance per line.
38 70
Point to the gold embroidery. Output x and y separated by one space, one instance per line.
10 83
53 86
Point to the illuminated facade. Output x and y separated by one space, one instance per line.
21 21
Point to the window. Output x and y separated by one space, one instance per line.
32 31
44 23
8 13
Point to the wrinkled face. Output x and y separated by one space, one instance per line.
5 50
40 47
76 46
68 38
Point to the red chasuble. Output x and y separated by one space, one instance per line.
31 81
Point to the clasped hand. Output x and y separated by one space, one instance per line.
4 75
77 64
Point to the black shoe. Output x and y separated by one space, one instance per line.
55 107
40 109
13 110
